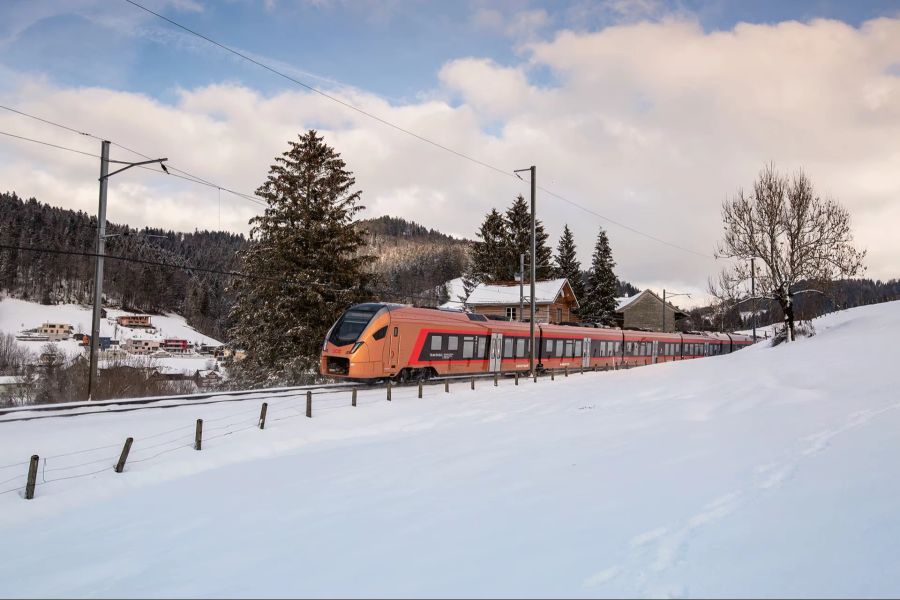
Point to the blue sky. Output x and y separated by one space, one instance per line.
391 48
645 112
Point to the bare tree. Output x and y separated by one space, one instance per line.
795 236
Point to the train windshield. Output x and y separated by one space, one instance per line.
352 323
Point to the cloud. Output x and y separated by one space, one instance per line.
650 124
521 25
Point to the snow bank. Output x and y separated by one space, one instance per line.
769 472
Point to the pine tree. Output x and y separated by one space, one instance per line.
518 241
488 251
567 264
599 303
304 256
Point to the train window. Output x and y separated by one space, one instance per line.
379 335
482 343
577 348
452 343
468 347
396 331
520 348
507 348
548 347
436 343
568 353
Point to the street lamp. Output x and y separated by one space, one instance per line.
664 308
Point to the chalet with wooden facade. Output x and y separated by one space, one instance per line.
645 311
134 321
554 301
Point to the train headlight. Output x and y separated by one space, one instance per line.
355 347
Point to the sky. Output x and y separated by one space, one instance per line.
642 115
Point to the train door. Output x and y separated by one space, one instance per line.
586 353
655 351
495 359
394 347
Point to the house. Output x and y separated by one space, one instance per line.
14 385
645 311
56 331
207 377
554 301
140 346
175 346
134 321
105 342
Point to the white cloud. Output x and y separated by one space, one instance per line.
651 124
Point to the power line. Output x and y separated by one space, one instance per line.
401 129
184 174
318 287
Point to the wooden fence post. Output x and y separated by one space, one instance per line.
32 477
567 370
353 398
473 383
552 372
388 388
198 435
517 378
535 375
495 378
446 387
420 389
309 404
262 415
120 466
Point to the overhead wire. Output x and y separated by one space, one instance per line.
406 131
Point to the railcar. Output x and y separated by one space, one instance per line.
395 341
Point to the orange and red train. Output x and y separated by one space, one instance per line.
400 342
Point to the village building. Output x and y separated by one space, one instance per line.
554 300
56 331
175 346
645 311
140 346
205 378
142 321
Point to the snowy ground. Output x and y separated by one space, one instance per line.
16 315
769 472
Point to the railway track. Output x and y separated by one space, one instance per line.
52 411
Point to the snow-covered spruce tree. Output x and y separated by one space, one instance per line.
488 252
567 264
797 238
305 261
599 303
518 241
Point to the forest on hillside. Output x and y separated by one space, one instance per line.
409 260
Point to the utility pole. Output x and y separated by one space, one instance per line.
101 247
753 293
98 268
664 311
521 286
533 171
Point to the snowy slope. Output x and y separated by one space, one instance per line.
770 472
16 315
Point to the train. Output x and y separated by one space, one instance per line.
381 341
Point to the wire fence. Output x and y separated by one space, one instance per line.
281 406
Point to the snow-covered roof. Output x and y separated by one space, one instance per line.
624 302
545 292
11 379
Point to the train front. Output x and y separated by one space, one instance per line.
354 346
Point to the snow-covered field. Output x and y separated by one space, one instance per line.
770 472
16 315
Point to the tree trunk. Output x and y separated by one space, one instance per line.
786 301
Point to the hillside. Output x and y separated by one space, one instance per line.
769 472
408 257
